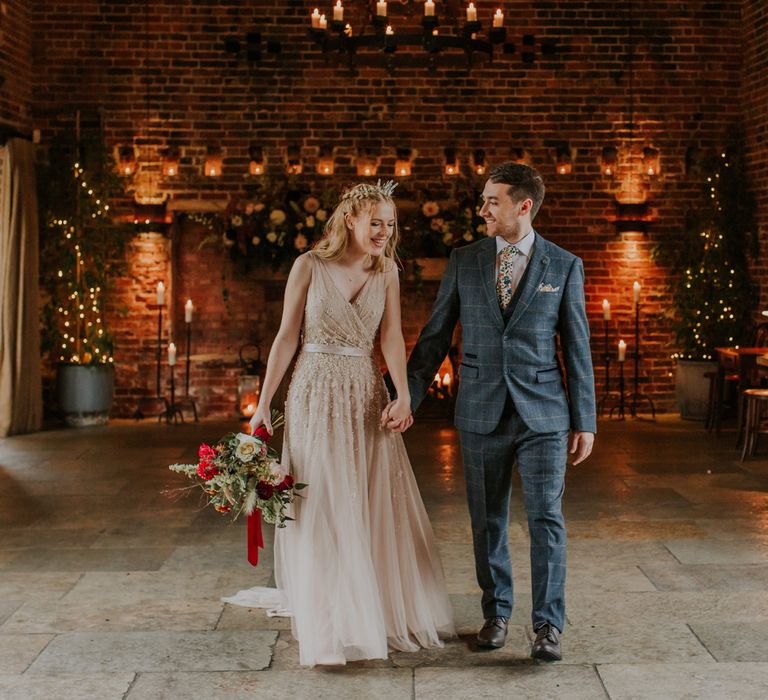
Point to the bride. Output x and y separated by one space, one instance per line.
357 568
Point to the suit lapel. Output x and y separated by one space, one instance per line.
487 260
537 268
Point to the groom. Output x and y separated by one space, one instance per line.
514 294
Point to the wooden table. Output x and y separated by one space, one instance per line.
743 361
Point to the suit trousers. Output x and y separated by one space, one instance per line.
541 461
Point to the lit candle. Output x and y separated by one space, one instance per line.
447 380
381 9
636 290
606 310
622 351
188 308
338 12
471 13
437 379
160 293
390 31
429 8
171 355
348 30
498 18
323 23
315 17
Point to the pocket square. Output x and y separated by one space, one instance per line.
548 288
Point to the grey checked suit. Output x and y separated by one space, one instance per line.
513 406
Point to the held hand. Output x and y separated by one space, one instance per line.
397 416
261 417
581 446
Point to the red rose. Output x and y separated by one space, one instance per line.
206 452
264 490
285 484
206 470
262 433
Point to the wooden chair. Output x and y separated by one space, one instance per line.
754 419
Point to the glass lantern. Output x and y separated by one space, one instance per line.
248 391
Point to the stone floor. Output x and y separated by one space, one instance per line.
110 589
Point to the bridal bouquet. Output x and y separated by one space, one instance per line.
241 473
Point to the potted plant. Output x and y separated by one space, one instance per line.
82 247
711 287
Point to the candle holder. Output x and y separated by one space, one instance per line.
619 408
156 405
609 399
187 402
173 409
636 397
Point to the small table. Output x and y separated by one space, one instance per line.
742 361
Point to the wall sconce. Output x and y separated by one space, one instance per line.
563 159
214 162
367 164
293 164
126 160
403 162
257 163
478 162
608 161
170 163
632 217
325 162
519 155
451 162
651 164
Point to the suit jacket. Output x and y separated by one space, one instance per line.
516 355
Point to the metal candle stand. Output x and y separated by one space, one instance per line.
636 397
156 405
609 398
187 402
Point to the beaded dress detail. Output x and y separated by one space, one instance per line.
358 567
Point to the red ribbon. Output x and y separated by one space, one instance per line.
255 538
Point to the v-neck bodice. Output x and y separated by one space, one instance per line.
330 319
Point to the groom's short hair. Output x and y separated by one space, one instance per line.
523 180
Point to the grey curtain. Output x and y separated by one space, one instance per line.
21 404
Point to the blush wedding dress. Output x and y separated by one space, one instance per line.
357 569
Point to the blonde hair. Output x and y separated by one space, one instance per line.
358 201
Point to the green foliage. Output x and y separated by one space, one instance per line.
82 249
709 267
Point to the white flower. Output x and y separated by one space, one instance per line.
255 240
321 214
468 236
247 447
271 236
278 472
277 217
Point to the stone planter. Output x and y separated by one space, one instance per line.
692 388
85 394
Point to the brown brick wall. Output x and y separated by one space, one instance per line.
687 73
16 63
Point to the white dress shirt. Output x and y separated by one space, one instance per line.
520 261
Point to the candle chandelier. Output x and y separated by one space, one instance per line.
442 29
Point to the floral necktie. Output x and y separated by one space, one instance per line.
504 278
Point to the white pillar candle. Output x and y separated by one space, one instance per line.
171 355
622 351
188 308
471 13
636 292
160 293
338 12
498 18
606 310
315 17
447 380
381 9
323 23
429 8
437 379
390 31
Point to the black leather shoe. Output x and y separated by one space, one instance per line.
494 633
547 644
